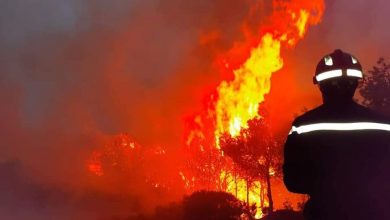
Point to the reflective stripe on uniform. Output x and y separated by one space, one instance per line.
353 126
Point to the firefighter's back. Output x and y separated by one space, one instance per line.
352 164
339 153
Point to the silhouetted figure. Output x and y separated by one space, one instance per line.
339 152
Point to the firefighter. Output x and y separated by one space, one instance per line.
339 152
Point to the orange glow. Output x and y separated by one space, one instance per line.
237 186
248 68
239 98
95 165
116 152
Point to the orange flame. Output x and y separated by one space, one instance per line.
239 99
94 164
120 146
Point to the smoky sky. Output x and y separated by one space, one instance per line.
357 27
73 72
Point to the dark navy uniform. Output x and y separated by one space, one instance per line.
339 154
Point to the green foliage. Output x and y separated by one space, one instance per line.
376 87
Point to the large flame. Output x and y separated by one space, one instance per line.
236 101
239 99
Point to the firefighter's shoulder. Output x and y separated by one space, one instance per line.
311 116
367 114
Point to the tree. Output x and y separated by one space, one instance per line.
256 152
241 153
122 160
203 161
376 87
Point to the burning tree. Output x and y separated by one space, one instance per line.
119 154
230 137
122 160
203 162
205 165
228 146
256 154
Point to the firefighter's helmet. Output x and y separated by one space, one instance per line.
337 65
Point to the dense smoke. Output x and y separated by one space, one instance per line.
73 72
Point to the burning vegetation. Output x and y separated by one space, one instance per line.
115 109
229 145
247 154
